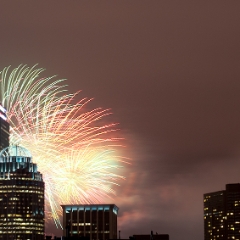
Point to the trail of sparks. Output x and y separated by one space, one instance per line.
73 149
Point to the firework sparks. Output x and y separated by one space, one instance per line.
71 147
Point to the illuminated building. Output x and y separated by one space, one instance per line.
4 129
222 213
21 196
98 221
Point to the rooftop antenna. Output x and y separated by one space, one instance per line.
151 236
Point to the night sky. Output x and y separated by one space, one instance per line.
169 71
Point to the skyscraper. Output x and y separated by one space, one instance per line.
4 128
222 213
21 196
94 221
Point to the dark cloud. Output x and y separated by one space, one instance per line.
170 73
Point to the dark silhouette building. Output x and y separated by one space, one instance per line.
21 196
4 129
151 236
67 238
98 221
222 213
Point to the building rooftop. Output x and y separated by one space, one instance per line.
15 151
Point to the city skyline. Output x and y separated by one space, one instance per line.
169 72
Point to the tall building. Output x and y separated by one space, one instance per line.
98 221
4 128
222 213
21 196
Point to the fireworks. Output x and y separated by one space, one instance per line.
74 150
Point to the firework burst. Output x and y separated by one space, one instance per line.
73 149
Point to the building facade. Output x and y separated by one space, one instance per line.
21 196
4 128
222 214
96 222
